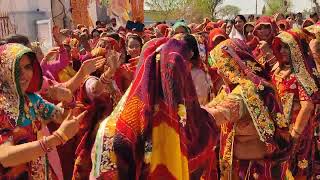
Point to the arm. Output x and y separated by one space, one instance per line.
13 155
229 110
303 117
86 69
60 62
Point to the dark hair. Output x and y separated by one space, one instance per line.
241 17
95 30
18 38
114 36
229 21
98 23
135 37
313 15
291 15
193 46
251 16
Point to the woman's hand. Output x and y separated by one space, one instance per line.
264 47
59 93
57 36
113 60
91 65
70 126
53 52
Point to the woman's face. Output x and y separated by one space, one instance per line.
179 30
26 72
291 20
239 23
285 54
229 28
264 32
248 33
133 48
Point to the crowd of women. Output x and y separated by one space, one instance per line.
234 99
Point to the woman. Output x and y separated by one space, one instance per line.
199 71
125 73
265 31
237 30
22 113
295 77
161 30
216 36
283 25
98 94
60 68
161 100
248 31
228 26
248 113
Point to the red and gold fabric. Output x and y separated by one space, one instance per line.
131 142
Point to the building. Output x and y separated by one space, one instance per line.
34 18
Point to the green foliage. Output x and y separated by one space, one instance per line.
229 11
190 10
276 6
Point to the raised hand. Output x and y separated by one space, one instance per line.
59 93
57 36
70 126
53 52
91 65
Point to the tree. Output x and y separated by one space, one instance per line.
167 8
277 6
317 6
229 11
190 10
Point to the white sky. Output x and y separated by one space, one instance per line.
249 6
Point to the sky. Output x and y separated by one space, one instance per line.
249 6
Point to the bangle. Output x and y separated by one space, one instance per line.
62 135
57 135
44 145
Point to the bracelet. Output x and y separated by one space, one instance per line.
63 136
44 145
57 135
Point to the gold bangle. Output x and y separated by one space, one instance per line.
63 136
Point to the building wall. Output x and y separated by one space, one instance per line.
23 14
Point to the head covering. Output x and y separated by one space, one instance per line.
314 30
162 28
302 63
11 96
210 26
244 71
161 100
181 23
235 34
284 23
309 20
266 20
214 34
